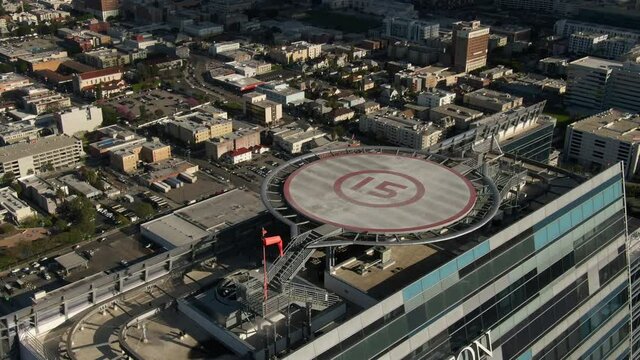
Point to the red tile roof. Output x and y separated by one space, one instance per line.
100 73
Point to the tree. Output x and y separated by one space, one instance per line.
80 213
143 210
159 113
6 228
8 178
109 116
143 112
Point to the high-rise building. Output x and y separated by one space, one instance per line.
470 45
410 29
586 83
103 9
595 84
623 88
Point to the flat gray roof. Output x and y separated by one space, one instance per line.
71 261
42 145
194 222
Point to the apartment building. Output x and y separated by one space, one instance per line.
39 102
105 58
435 97
264 112
299 51
24 159
195 128
400 130
153 152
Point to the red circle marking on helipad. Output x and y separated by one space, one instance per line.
427 195
418 187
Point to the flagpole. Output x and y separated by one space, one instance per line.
264 262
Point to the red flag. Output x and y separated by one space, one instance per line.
273 240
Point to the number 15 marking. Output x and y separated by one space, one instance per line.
382 190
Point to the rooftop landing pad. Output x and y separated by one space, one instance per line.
380 193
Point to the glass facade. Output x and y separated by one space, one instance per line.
535 145
532 304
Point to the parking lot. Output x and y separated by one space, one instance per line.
105 254
206 186
157 103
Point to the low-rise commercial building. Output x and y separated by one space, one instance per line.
12 81
48 194
46 60
281 93
491 101
400 130
242 138
461 116
249 68
12 208
293 138
77 119
24 159
604 139
80 187
223 46
114 138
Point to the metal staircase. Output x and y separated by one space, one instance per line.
295 256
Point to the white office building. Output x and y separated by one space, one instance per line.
410 29
604 139
435 98
77 119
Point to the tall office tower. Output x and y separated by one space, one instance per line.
623 88
103 9
410 29
470 45
587 80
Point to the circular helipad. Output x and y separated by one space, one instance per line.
380 193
